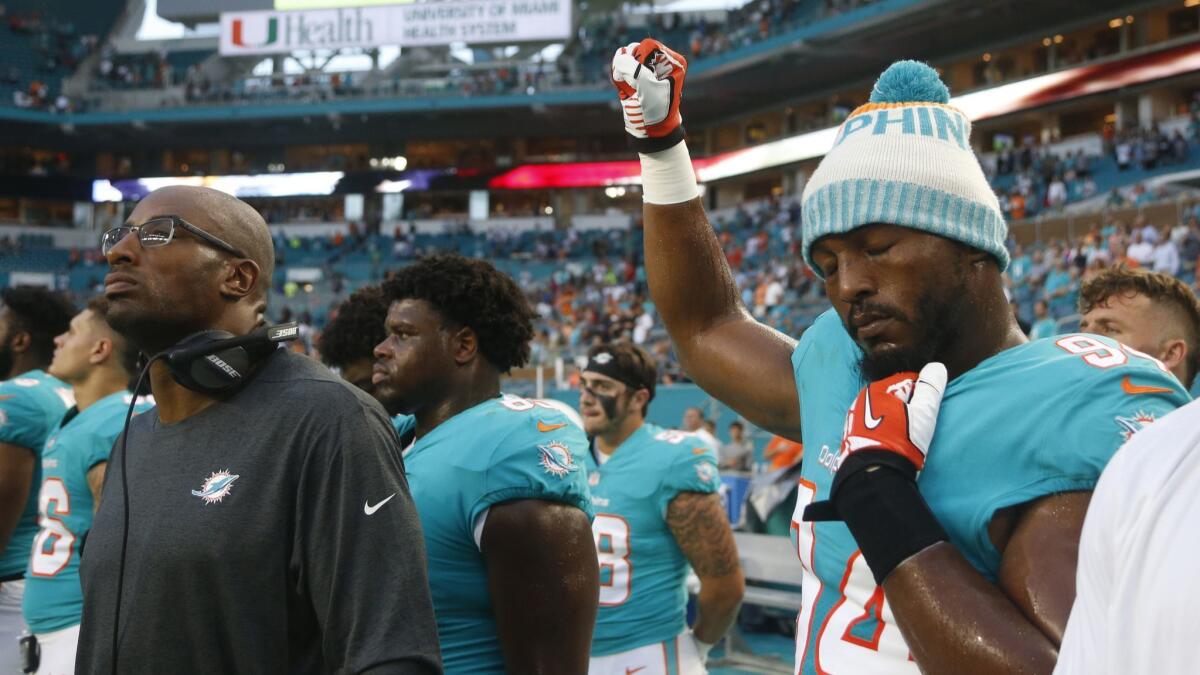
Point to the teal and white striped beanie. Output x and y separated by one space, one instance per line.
905 158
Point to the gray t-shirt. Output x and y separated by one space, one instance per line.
272 532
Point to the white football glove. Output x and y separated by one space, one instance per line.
649 79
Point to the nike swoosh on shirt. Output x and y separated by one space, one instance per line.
1130 388
368 509
871 421
547 428
631 671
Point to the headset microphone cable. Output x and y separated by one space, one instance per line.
125 500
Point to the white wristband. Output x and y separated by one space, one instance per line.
668 176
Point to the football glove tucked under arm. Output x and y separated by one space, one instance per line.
649 78
889 429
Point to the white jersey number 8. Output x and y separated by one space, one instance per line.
612 549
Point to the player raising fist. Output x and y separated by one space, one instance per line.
975 572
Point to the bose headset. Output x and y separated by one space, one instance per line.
210 362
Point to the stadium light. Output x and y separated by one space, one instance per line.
393 186
398 163
260 185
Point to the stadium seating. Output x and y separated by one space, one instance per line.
42 41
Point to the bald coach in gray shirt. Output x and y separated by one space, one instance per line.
270 526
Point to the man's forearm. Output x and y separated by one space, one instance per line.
956 621
688 275
717 607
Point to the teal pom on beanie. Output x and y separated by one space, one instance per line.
909 82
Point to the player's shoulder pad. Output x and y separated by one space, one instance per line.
825 345
520 425
1081 360
677 441
537 416
23 386
692 461
683 447
29 395
19 393
827 325
111 420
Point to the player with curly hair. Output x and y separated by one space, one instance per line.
347 345
348 341
499 481
32 403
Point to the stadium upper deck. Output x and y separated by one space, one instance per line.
776 53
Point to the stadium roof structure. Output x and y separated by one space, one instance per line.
810 61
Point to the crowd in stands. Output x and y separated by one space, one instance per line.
134 71
57 49
593 286
1033 179
590 287
1044 281
603 299
702 38
583 61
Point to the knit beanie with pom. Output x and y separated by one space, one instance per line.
905 159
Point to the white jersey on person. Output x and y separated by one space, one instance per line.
1137 586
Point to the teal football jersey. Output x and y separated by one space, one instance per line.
402 423
31 406
501 450
53 597
1033 420
642 571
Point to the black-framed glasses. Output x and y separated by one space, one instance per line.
159 232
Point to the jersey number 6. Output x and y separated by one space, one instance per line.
54 543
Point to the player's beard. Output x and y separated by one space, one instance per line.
939 314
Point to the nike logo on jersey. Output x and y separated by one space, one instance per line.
631 671
1129 387
370 510
547 428
870 420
